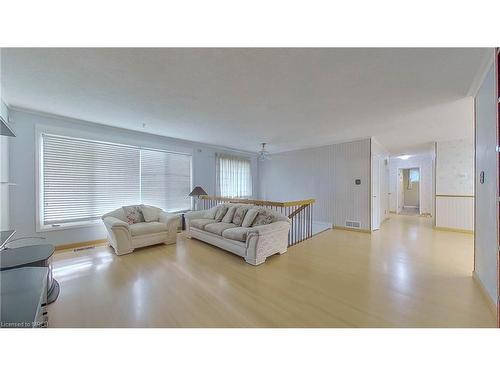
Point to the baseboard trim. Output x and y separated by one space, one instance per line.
320 227
491 303
76 245
446 229
352 229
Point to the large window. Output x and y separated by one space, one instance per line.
234 176
81 179
165 180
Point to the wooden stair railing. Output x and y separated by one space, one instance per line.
299 212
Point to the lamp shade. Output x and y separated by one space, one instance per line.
197 191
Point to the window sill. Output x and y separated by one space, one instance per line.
76 225
84 224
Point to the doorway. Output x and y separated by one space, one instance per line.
409 191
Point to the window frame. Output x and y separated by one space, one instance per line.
83 136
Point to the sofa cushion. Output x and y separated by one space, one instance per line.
150 213
237 234
133 214
250 217
228 217
239 215
139 229
221 212
263 218
218 228
210 213
200 223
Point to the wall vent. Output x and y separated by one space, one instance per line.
84 248
352 224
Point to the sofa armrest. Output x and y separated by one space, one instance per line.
191 215
113 222
266 240
118 235
173 221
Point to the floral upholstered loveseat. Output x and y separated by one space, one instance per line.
251 232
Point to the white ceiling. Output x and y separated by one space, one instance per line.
290 98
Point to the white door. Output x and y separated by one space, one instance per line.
400 192
375 192
384 193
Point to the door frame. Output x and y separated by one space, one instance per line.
419 189
497 63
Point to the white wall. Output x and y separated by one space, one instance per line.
4 173
435 120
455 167
424 161
486 241
326 174
22 167
455 184
4 163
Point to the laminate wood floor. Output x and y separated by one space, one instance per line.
404 275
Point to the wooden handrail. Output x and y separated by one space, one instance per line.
294 213
259 202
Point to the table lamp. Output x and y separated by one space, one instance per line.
197 191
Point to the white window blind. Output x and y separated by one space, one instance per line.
166 180
83 179
234 176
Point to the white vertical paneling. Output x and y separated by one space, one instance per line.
455 212
351 201
486 242
326 174
298 175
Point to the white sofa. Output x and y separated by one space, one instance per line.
254 243
125 237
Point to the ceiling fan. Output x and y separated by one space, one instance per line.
264 154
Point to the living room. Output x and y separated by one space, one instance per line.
78 185
190 187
